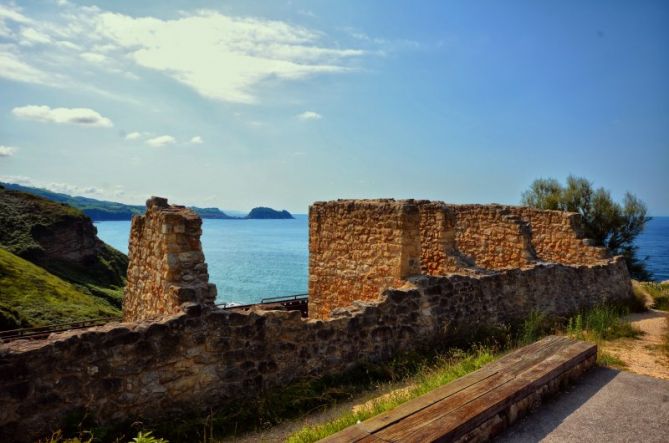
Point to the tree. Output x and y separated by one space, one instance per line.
608 223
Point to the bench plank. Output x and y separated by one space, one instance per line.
447 423
453 410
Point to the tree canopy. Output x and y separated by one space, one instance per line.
605 221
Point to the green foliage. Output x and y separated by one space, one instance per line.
658 293
147 437
602 323
608 223
30 296
26 220
606 359
534 327
88 437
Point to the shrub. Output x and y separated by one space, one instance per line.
608 223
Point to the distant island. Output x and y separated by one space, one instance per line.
102 210
268 213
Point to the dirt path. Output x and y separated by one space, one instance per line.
643 355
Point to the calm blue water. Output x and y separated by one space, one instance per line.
654 244
254 259
248 259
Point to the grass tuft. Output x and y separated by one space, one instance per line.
610 360
657 293
602 323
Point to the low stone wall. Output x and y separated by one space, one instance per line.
204 358
166 264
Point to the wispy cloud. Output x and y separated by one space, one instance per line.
162 140
220 57
197 140
309 115
7 151
133 136
64 188
77 116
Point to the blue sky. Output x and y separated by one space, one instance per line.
243 103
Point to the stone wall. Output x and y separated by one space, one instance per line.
352 255
358 248
205 358
492 237
557 236
197 357
166 264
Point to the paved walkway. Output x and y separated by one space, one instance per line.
604 406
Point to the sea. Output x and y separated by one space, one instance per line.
250 260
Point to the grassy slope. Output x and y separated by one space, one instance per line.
22 214
30 296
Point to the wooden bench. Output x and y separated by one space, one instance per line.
481 404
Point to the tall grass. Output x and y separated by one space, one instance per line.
654 295
602 323
447 370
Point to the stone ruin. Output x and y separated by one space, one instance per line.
385 277
166 265
358 248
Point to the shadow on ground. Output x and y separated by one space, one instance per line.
604 405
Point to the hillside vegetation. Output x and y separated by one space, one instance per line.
31 296
62 241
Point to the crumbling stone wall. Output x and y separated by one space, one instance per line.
492 237
204 358
557 236
166 264
358 248
352 255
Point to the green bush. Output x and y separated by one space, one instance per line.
608 223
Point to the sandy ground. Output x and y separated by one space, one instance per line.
643 355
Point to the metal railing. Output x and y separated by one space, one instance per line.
290 302
43 331
296 302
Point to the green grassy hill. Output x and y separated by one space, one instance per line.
31 296
61 239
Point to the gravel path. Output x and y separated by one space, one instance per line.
643 355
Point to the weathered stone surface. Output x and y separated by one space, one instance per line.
167 266
358 248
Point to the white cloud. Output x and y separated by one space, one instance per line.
7 151
309 115
13 68
133 136
64 188
93 57
162 140
31 36
78 116
220 57
197 140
